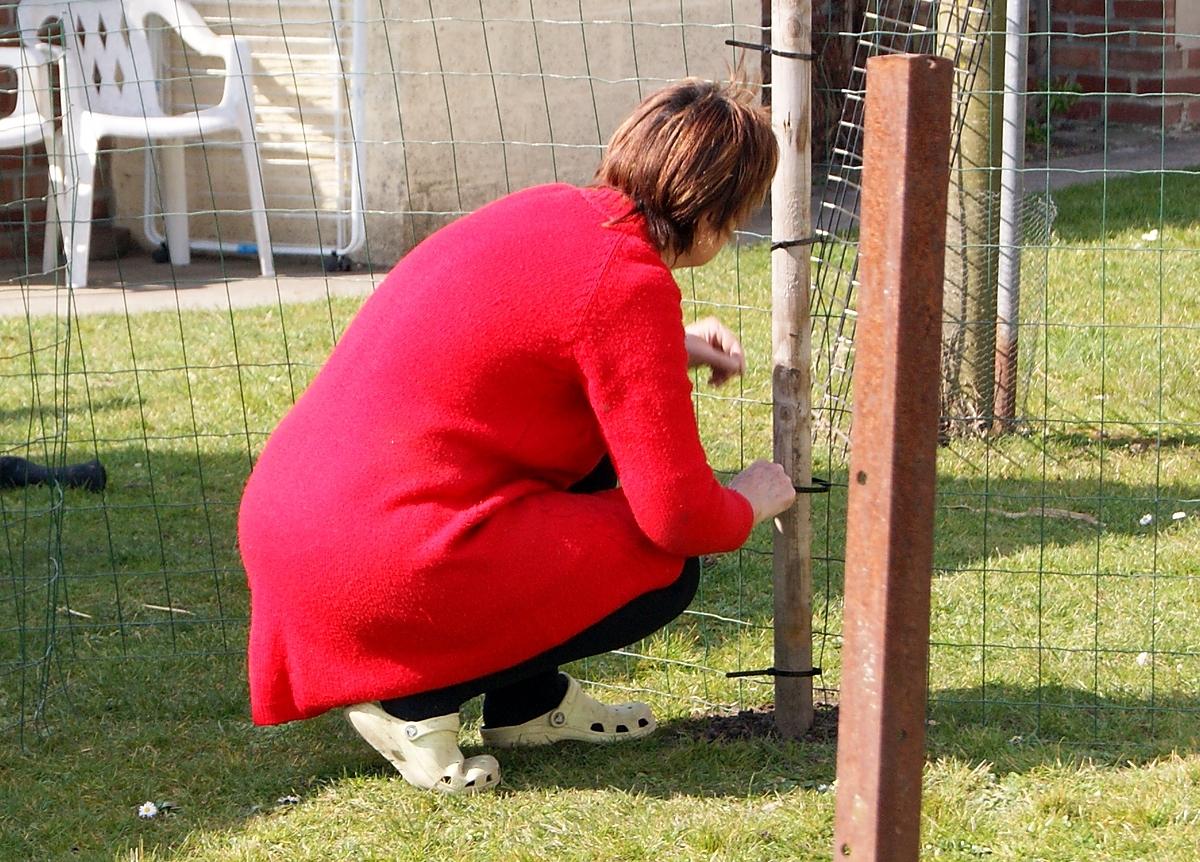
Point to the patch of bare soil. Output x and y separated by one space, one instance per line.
757 723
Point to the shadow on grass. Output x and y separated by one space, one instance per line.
149 570
1133 441
50 411
733 756
1021 727
981 518
148 699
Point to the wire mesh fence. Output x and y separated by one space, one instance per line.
1063 585
175 390
1054 548
32 520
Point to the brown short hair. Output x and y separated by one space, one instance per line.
691 150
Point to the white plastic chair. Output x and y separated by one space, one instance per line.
110 87
31 123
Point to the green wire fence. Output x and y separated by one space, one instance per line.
1064 590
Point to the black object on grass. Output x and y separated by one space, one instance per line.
18 472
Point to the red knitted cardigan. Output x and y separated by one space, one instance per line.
408 527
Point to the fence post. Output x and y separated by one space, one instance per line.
889 533
791 337
1008 299
965 36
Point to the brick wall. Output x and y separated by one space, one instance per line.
1128 57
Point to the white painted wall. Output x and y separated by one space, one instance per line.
459 111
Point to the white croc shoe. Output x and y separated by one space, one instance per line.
579 717
425 752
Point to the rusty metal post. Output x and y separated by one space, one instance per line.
791 338
889 535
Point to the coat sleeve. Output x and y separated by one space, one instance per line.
630 350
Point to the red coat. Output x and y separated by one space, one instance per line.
407 525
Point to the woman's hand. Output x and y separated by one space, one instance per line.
767 486
711 343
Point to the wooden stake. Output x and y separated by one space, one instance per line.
791 328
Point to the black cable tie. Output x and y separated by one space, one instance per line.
767 49
792 243
818 486
774 671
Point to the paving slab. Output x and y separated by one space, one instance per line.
135 283
1121 158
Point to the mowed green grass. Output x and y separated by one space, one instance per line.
1064 659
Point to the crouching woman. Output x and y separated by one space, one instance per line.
498 469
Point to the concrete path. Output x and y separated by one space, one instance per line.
135 283
1121 159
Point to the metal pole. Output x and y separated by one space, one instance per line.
791 332
766 57
1008 286
889 533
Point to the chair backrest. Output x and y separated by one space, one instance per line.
110 62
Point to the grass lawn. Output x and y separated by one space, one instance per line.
1065 652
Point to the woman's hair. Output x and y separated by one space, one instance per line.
691 150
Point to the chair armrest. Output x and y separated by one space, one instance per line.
23 56
12 57
191 27
184 20
33 82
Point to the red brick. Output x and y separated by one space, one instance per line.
1147 60
1144 9
1188 85
11 216
16 243
1098 8
1153 39
31 187
1081 26
1148 113
1076 55
1100 84
1149 87
1087 108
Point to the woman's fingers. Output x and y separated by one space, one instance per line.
712 343
767 487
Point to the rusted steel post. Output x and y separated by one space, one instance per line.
791 334
889 534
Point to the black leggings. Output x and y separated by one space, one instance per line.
533 687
